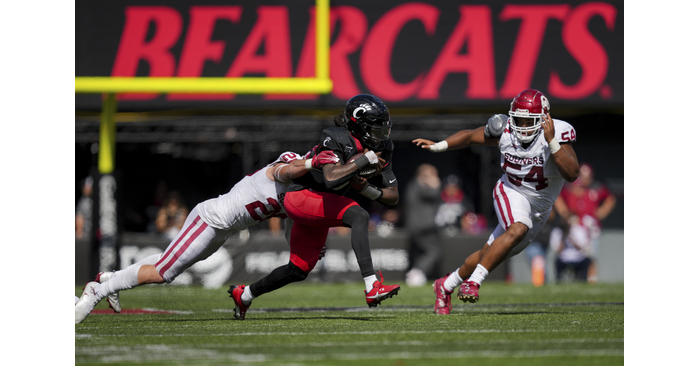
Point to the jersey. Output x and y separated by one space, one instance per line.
345 145
529 170
586 205
252 200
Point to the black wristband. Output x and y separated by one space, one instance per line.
361 162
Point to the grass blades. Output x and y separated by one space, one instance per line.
329 324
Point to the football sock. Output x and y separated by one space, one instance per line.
453 281
247 296
369 281
479 274
128 277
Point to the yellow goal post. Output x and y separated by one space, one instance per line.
110 86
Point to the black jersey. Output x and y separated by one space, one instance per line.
344 145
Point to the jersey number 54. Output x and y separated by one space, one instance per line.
535 175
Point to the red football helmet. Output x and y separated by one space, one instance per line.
530 103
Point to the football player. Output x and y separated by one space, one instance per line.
536 158
255 198
317 201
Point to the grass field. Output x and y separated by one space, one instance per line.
329 324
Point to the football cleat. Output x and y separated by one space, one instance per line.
469 291
87 302
236 291
380 292
113 299
443 298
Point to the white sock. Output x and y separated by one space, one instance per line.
479 274
247 296
369 281
453 281
128 277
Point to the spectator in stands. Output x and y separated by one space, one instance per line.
171 216
572 245
537 252
474 223
591 202
422 202
387 223
159 196
83 211
453 206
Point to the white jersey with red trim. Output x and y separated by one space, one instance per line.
252 200
530 171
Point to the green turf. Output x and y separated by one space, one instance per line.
329 324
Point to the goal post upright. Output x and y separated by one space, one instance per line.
110 86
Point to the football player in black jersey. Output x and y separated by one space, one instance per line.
317 201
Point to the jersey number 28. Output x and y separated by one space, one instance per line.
266 214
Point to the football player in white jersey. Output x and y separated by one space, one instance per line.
252 200
536 158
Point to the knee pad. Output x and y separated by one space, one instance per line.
355 215
296 273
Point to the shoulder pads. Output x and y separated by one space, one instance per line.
495 126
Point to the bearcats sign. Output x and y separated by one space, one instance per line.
409 54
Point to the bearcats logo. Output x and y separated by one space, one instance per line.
364 107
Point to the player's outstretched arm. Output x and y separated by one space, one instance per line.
564 154
458 140
284 173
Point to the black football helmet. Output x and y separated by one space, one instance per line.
368 120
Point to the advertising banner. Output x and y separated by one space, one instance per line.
449 54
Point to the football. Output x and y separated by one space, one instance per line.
369 171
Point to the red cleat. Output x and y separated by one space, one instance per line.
380 292
236 291
443 298
469 291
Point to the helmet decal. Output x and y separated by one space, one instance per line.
363 107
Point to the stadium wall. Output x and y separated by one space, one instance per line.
251 257
245 260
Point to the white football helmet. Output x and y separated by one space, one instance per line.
530 103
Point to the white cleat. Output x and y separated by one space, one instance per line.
87 302
113 299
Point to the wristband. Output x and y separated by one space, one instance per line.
554 146
308 165
439 147
361 162
371 192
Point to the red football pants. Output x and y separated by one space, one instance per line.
313 214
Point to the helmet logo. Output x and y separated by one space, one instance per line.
364 107
545 103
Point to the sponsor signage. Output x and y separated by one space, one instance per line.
409 54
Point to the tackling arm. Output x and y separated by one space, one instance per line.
283 172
